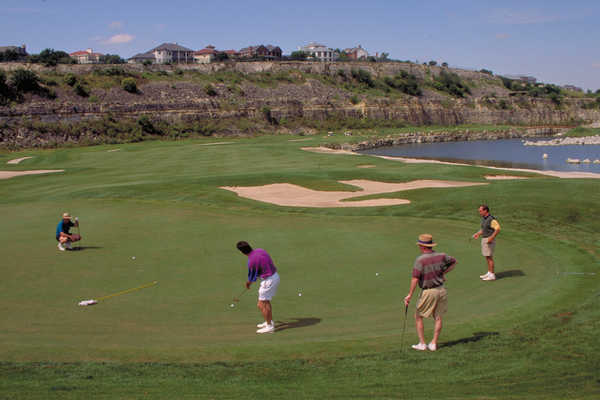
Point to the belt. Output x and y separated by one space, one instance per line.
433 287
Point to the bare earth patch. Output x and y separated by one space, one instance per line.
12 174
18 160
286 194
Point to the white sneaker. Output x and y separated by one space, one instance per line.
490 277
484 275
262 325
420 346
267 329
60 247
432 347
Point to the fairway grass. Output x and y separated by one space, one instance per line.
530 334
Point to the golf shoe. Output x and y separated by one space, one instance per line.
420 346
490 277
267 329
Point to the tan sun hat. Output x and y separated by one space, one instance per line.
66 216
426 240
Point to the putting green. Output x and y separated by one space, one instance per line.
160 203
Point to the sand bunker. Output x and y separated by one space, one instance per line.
18 160
502 177
286 194
12 174
365 166
327 150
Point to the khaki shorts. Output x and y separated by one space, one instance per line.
433 302
487 249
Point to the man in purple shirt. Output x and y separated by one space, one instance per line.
429 272
261 266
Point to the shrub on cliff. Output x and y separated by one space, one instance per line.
24 81
129 85
404 82
70 79
81 90
210 90
5 92
451 83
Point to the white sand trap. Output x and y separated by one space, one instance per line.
286 194
12 174
502 177
18 160
327 150
110 151
365 166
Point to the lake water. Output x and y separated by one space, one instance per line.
506 153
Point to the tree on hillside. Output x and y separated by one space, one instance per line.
112 59
299 55
51 57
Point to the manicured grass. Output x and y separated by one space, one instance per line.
530 334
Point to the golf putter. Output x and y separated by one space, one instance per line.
404 328
237 299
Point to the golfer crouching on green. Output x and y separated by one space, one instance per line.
429 273
261 266
63 234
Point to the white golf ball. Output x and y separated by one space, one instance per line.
299 294
232 305
133 258
376 273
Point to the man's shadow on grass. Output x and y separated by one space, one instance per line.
81 248
477 336
296 323
511 273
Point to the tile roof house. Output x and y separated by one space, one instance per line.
86 56
319 51
206 55
141 58
357 53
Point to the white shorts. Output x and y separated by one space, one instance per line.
268 287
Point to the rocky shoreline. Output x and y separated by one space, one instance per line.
567 141
429 137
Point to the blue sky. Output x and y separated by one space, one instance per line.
555 41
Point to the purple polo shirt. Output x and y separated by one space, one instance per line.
260 265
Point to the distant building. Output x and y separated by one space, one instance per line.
261 51
86 56
141 58
523 78
319 51
18 51
206 55
357 53
232 54
164 54
573 88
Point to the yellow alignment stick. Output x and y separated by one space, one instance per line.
128 291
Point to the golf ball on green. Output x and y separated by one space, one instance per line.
299 294
232 305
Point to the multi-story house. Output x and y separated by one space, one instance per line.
18 51
357 53
206 55
261 51
86 56
319 51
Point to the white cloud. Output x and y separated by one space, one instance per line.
502 36
115 25
119 39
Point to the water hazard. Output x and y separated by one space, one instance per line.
506 153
